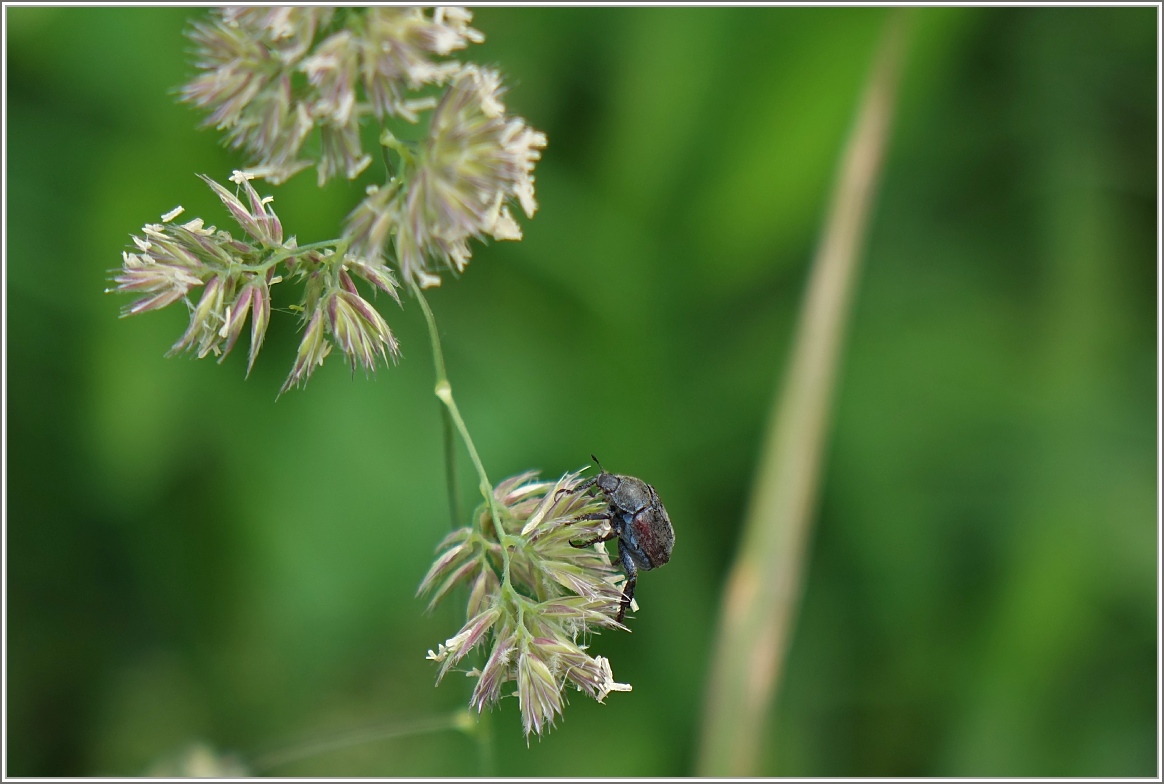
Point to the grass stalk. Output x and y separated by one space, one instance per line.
765 582
454 424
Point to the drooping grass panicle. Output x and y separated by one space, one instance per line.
551 599
292 86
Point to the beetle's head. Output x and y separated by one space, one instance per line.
608 482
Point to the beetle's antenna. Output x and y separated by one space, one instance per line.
595 459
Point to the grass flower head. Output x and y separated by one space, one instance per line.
171 260
533 604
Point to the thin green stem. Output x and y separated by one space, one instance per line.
314 246
450 443
405 150
388 173
458 720
453 421
438 358
282 254
444 392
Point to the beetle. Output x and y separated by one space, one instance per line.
639 521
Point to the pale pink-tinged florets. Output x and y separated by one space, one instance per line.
250 61
398 48
564 593
474 162
171 260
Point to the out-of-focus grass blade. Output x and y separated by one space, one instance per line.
763 587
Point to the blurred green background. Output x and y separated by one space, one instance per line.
189 558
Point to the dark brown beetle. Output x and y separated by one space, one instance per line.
639 521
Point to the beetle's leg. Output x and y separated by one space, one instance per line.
600 538
591 516
594 516
632 577
578 488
